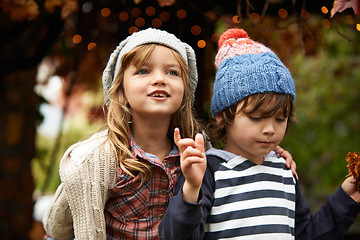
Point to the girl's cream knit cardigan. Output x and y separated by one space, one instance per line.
87 171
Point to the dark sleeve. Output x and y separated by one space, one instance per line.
331 221
184 220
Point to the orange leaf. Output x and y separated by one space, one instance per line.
341 5
353 160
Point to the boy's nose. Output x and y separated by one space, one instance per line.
269 128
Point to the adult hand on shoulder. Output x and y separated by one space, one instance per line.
349 186
193 164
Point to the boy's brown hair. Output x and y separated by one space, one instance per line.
283 102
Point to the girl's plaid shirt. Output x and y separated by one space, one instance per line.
134 211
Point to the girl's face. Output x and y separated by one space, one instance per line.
253 136
156 89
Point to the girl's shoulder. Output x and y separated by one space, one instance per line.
83 150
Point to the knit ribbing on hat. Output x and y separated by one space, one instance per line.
149 36
245 67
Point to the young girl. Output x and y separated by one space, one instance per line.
131 168
117 184
247 193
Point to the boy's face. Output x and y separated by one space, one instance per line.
253 136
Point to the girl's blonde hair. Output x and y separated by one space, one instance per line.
119 115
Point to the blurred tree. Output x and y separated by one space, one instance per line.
78 36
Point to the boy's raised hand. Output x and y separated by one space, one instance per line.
193 164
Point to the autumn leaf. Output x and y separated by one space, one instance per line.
353 160
341 5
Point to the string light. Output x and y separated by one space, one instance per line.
135 12
105 12
150 11
195 30
326 23
324 10
181 14
358 27
215 37
164 16
254 17
77 39
282 13
91 46
236 19
140 22
156 23
304 14
201 44
133 29
124 16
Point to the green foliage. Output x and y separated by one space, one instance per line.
328 112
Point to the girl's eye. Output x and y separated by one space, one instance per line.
173 73
142 71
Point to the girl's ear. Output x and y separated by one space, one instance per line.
219 117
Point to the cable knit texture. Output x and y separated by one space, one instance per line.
246 67
87 171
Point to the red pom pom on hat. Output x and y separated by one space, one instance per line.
233 33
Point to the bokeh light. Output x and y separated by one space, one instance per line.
326 23
215 37
304 14
91 46
282 13
254 17
150 11
135 12
140 22
105 12
324 10
77 39
133 29
156 23
236 19
124 16
164 16
195 30
181 14
201 44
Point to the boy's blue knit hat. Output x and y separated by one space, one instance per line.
246 67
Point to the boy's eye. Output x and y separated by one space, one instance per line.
255 118
280 119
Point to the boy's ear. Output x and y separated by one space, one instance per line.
219 117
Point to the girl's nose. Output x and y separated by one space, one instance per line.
159 79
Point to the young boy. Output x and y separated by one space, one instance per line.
247 192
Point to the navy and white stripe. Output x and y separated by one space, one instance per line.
253 201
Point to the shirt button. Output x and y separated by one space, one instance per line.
161 216
166 164
163 192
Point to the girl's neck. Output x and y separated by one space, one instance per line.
152 138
